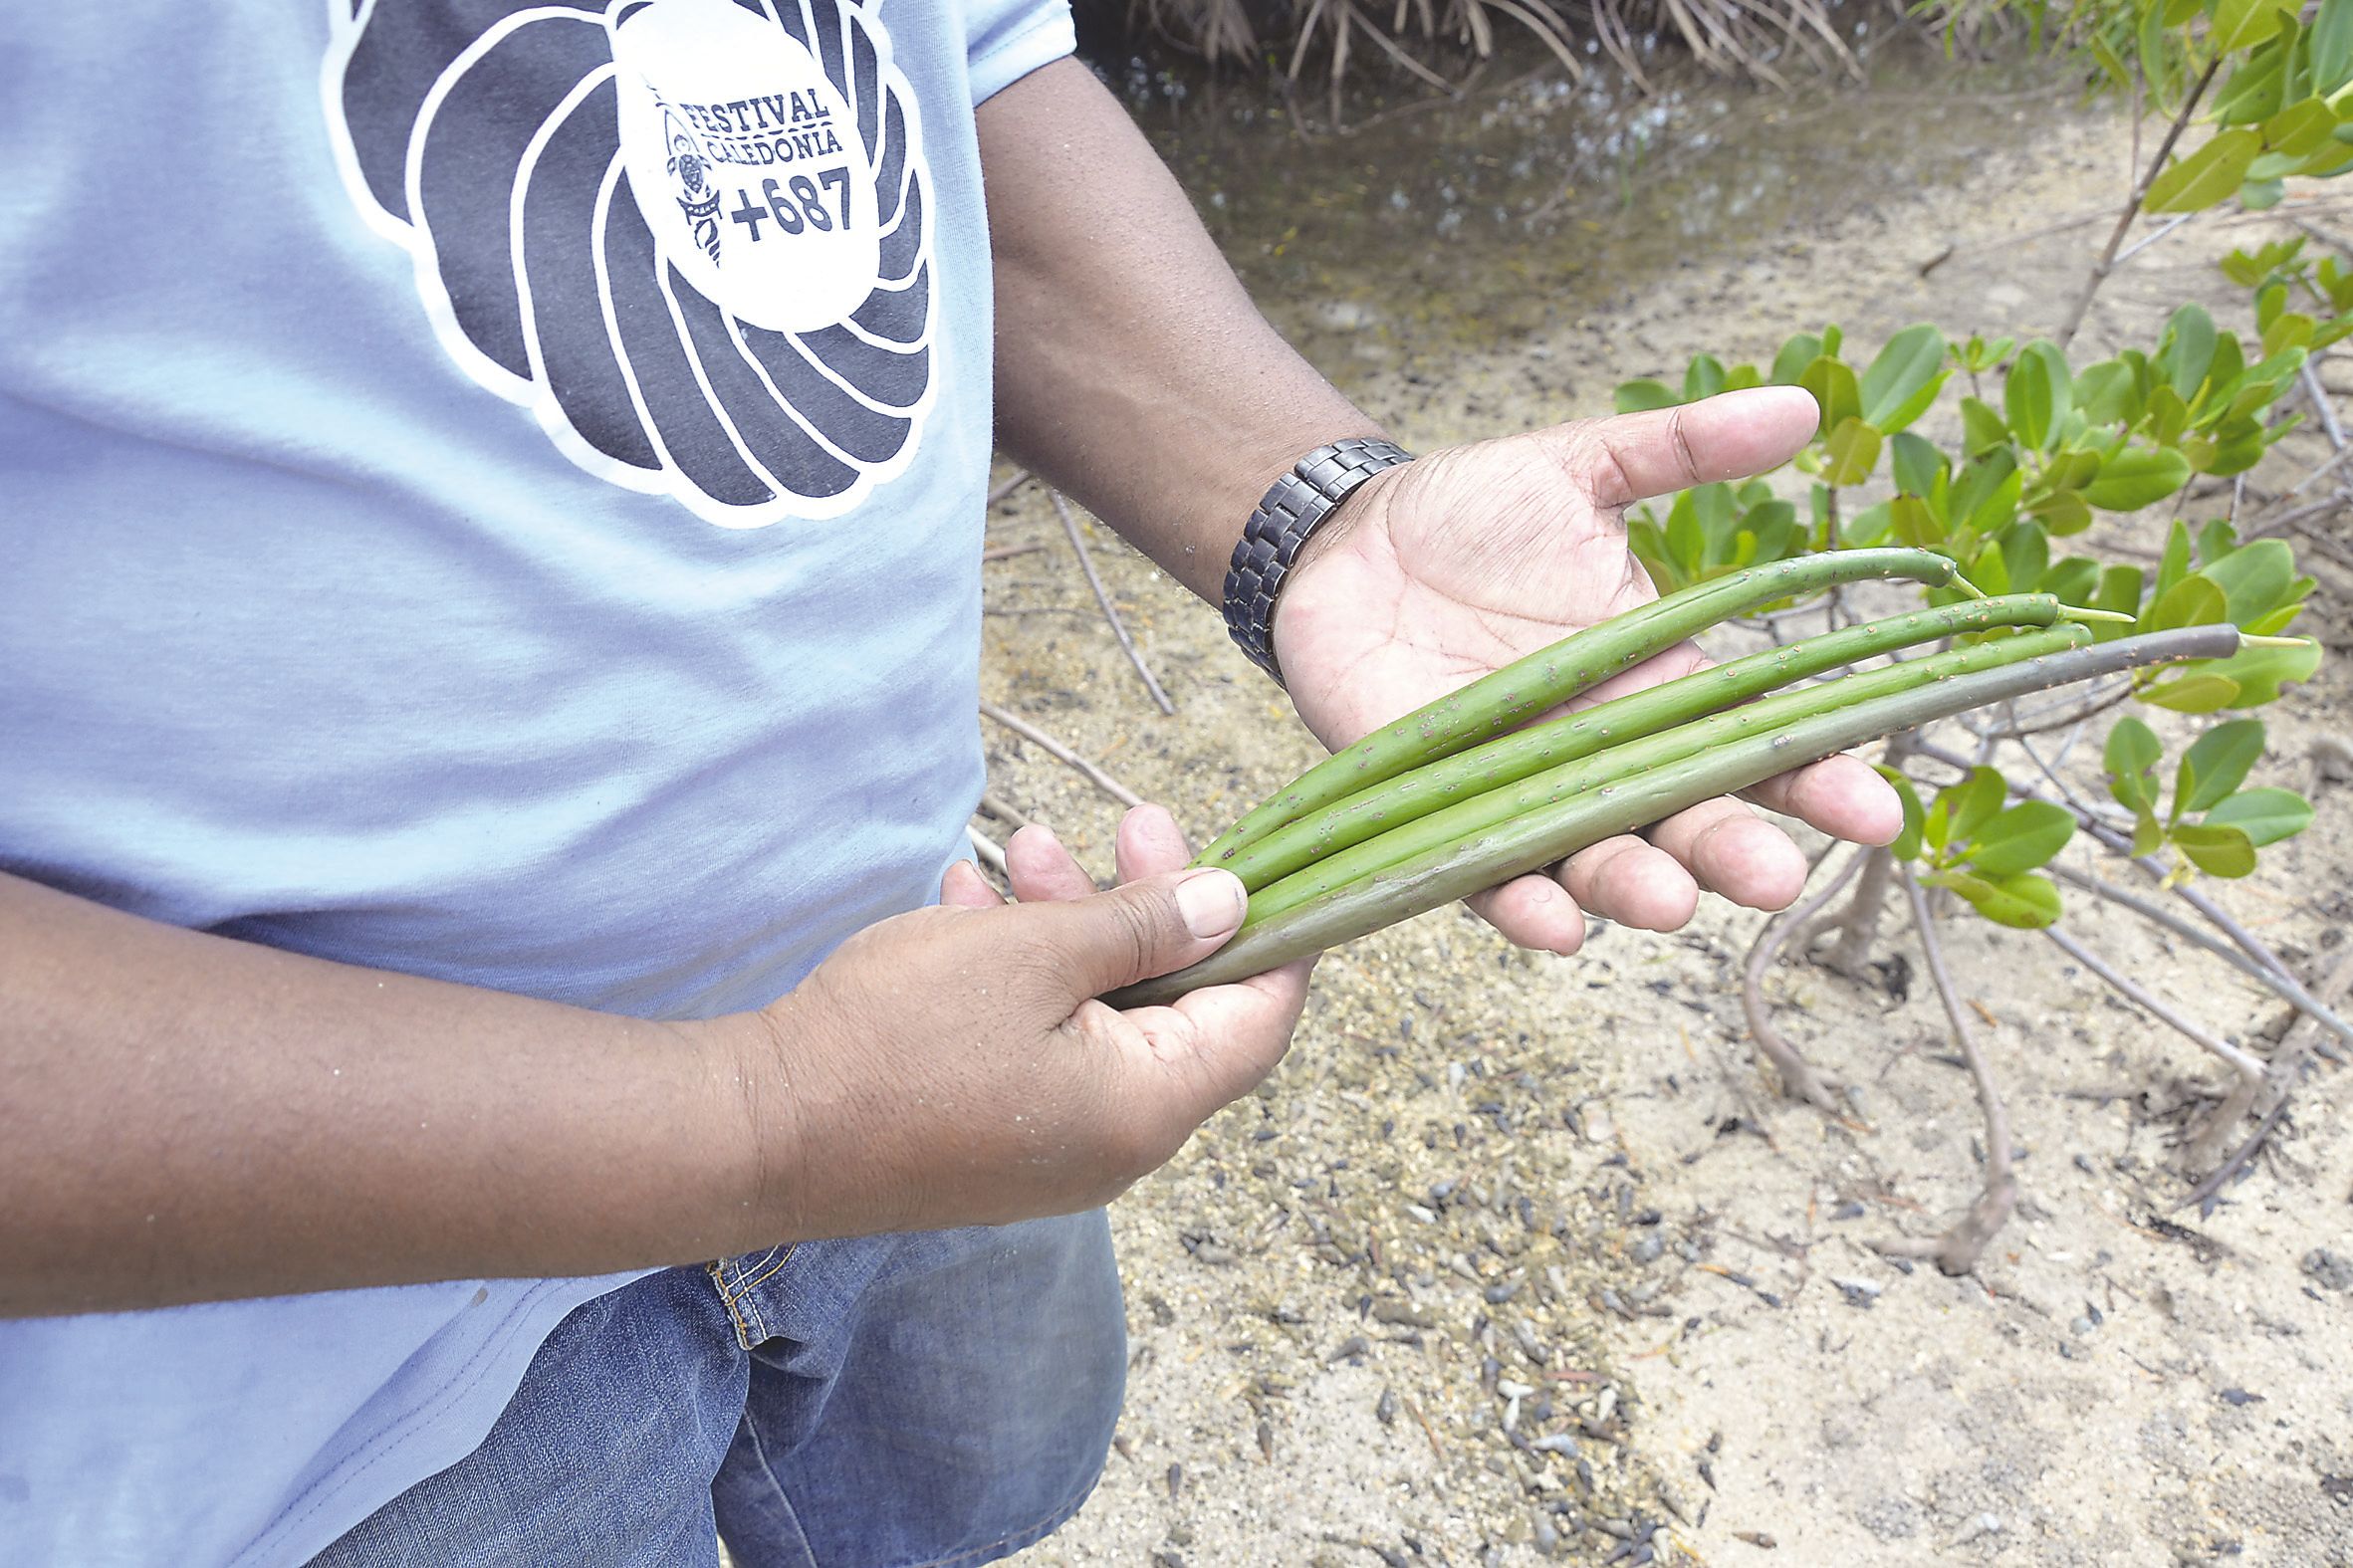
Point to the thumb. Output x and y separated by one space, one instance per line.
1728 436
1144 929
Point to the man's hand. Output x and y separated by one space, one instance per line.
950 1066
1441 569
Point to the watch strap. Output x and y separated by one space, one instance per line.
1295 507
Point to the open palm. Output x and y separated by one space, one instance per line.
1443 569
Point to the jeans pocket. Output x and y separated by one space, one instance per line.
737 1279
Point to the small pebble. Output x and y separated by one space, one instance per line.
1648 1248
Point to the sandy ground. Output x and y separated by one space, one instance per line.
1490 1191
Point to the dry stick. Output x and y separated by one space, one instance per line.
986 847
1102 598
2132 209
1056 749
2281 979
1958 1250
1020 477
1004 810
2288 1063
2265 521
1799 1079
2148 1002
1008 551
2160 915
2321 405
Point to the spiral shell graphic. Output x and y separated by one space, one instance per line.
688 235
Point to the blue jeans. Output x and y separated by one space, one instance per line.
943 1399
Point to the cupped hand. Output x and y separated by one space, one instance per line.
1441 569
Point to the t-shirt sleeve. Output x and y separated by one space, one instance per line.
1009 39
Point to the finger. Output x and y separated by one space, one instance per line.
1729 437
1631 882
1841 796
1731 850
1132 933
962 887
1216 1044
1041 870
1532 912
1148 844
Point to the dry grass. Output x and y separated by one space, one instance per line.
1433 40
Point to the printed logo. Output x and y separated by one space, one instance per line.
688 235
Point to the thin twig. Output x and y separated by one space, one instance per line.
2132 209
2148 1002
1008 551
2160 915
1056 749
1799 1079
1110 612
2288 1064
1957 1251
986 847
2321 405
2146 240
1020 477
1005 811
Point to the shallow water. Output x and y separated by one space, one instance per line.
1428 225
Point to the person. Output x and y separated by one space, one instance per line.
489 609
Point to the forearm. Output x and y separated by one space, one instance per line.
1132 371
184 1117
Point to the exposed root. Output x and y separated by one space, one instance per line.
1957 1251
1799 1079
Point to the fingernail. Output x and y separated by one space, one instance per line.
1210 902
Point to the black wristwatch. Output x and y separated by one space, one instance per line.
1293 509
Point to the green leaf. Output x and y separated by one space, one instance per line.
1788 366
2205 178
2022 838
2026 903
1705 379
2037 394
2257 674
1907 842
1973 800
2216 850
1640 397
2074 580
2131 759
1915 462
2197 693
1854 451
2106 394
1986 496
2063 513
2242 24
2264 815
2187 351
2173 565
2025 555
2331 50
2135 478
2120 591
2192 601
1981 428
1903 381
2254 579
2300 130
2217 764
1834 388
1915 522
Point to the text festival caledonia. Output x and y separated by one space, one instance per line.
777 128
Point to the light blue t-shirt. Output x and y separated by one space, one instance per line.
487 490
